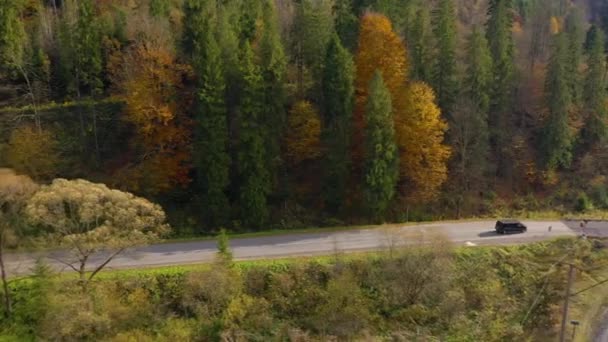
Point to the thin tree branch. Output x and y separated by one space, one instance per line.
105 263
64 262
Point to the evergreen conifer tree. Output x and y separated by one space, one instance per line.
338 100
502 50
211 156
421 46
381 156
576 40
469 126
273 68
12 35
444 70
595 96
254 177
88 66
557 138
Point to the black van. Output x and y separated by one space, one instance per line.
509 226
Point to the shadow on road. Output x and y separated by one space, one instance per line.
487 234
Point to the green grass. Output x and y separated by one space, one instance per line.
109 273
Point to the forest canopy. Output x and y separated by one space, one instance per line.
254 114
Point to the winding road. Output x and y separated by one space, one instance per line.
460 233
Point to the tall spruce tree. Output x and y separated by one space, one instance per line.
211 145
576 39
254 177
444 70
502 50
381 156
338 100
595 95
195 23
311 30
274 68
12 35
478 78
88 57
421 46
557 138
80 50
469 127
346 23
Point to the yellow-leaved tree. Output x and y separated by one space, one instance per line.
380 48
420 135
419 128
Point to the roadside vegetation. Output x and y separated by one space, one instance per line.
430 292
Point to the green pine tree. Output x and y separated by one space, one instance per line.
421 46
338 92
444 71
595 130
502 50
478 78
197 20
576 39
557 139
88 56
469 126
311 30
274 68
381 157
12 35
346 23
227 37
252 166
249 13
211 147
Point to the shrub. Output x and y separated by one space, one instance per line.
600 196
583 203
208 293
345 312
248 316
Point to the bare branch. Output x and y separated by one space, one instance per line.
63 262
105 263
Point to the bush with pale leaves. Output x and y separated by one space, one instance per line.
88 218
95 217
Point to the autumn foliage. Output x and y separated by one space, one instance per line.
150 81
420 137
304 131
419 127
380 48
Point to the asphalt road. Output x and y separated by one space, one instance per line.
462 233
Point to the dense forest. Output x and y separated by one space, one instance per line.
249 114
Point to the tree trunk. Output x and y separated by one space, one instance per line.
7 296
32 96
97 155
82 272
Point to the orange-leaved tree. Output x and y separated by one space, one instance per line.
151 82
420 134
380 48
303 140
